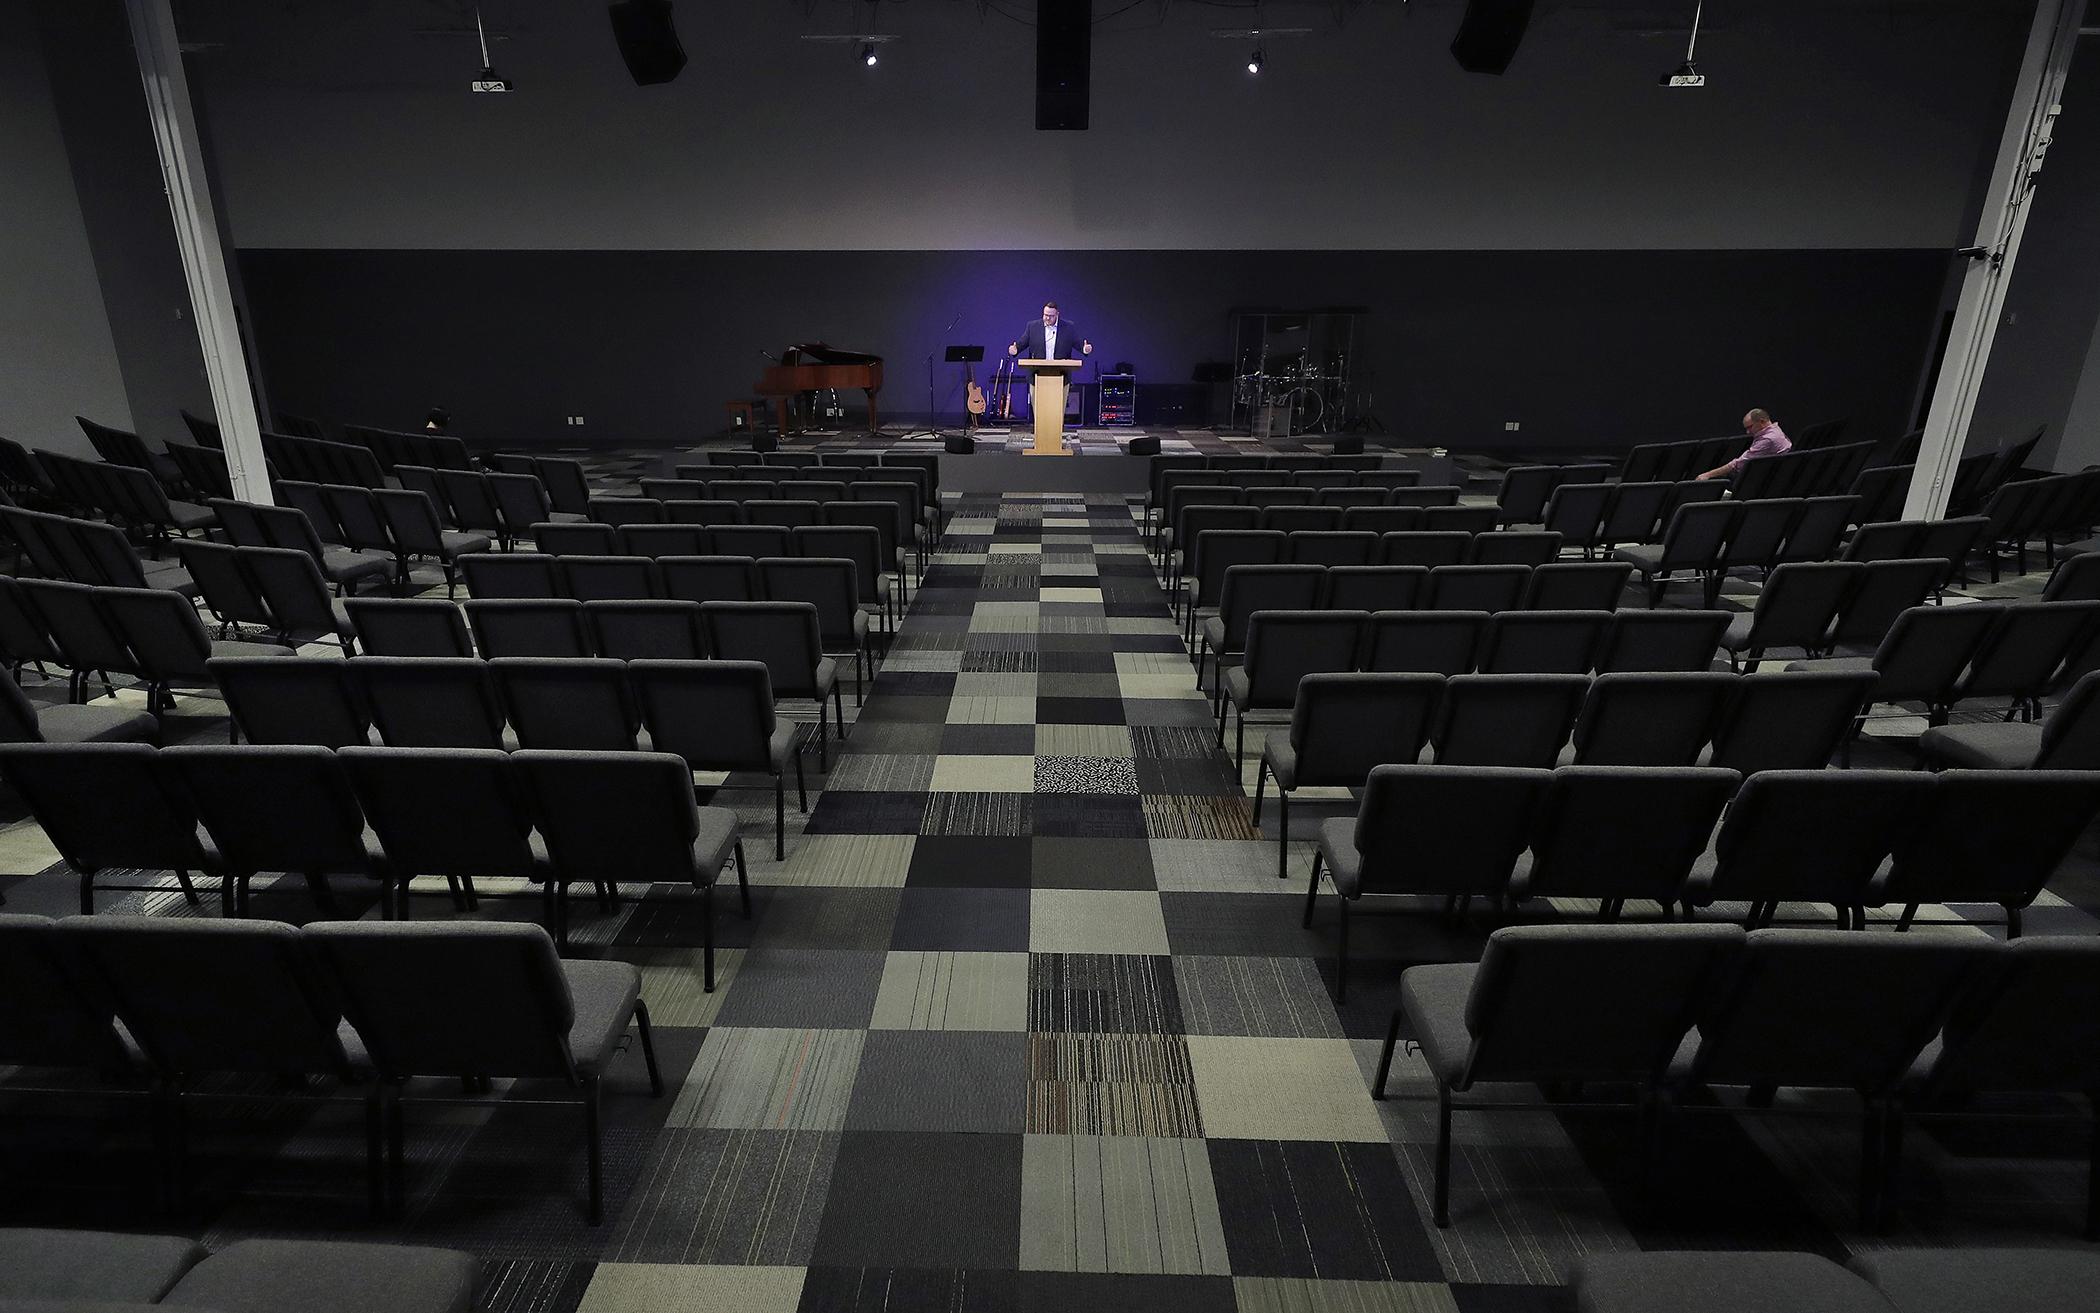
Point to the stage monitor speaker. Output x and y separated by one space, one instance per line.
1489 34
647 40
1146 446
764 442
960 444
1352 445
1064 43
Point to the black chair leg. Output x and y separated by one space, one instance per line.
1341 954
87 893
1283 830
801 785
743 879
189 891
2012 923
592 1132
1261 781
1385 1056
707 937
823 730
641 1026
780 822
1312 891
838 709
1441 1202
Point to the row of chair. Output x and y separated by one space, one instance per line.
1941 1280
2057 506
86 552
1916 1027
395 448
252 524
1937 656
387 815
151 634
381 523
127 496
1849 839
718 715
502 506
1319 508
1976 477
1705 540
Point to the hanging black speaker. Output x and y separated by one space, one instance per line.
647 40
1064 46
1489 34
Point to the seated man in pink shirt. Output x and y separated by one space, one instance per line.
1765 440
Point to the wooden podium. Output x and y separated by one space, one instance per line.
1047 398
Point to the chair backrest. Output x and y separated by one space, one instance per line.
1514 547
167 640
1374 587
615 815
1344 724
86 638
831 584
717 715
1459 519
2026 1023
292 587
1507 720
1285 646
23 637
628 510
785 636
412 517
274 807
222 582
50 1020
389 973
1423 547
1925 651
1814 835
309 500
521 500
521 627
2071 733
1423 642
1382 519
106 805
1329 547
1790 721
2076 578
702 514
710 578
1542 642
1426 495
1267 496
567 703
409 627
758 540
1249 588
1760 528
1577 586
1650 718
1633 512
430 702
660 540
1525 488
444 811
1884 591
1992 836
1477 587
784 513
1445 829
1800 603
568 488
358 517
1575 511
1812 1008
632 630
1697 534
572 540
1819 529
1884 540
1301 519
607 578
1614 832
280 700
270 1010
1589 1002
513 575
1661 640
2029 644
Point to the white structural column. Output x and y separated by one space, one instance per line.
196 232
2036 99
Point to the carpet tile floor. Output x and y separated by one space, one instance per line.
1025 1020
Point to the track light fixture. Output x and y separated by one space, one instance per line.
1687 74
1254 61
867 53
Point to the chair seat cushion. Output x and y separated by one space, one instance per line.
1736 636
173 578
189 515
604 993
323 1276
1236 686
342 565
1214 633
827 677
235 647
457 542
1990 746
1338 849
1434 1000
2002 1280
715 841
1645 557
91 1265
780 749
1276 749
92 724
1669 1282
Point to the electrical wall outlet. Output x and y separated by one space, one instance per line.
1511 426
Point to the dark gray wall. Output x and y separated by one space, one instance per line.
1581 348
54 337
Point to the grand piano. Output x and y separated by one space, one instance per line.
808 368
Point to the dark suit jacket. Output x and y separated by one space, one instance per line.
1068 340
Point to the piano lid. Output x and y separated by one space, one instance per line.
823 353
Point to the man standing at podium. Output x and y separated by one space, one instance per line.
1047 339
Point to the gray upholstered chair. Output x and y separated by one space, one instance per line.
1343 725
1489 588
718 715
1649 719
292 701
646 629
1282 648
830 584
409 627
2069 739
51 1269
24 721
300 608
1552 1003
430 702
1577 586
1795 720
1619 832
1661 640
458 813
1990 836
573 703
554 1019
787 637
1444 831
1798 607
1542 642
1811 836
491 576
279 807
528 627
1423 642
110 807
1507 720
607 578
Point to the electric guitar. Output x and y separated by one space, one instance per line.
976 395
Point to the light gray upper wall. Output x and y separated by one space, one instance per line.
57 358
1826 125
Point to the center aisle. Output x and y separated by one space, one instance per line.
1027 998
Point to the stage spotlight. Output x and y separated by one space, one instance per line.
1254 61
867 53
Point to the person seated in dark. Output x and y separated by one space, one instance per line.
438 420
1766 439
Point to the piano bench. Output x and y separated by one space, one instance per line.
746 414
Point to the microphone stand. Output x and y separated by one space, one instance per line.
933 426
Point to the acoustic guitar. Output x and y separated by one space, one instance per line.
976 396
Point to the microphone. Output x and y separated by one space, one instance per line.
770 356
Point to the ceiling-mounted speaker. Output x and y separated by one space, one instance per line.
1064 47
647 40
1489 34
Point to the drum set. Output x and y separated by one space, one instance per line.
1292 394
